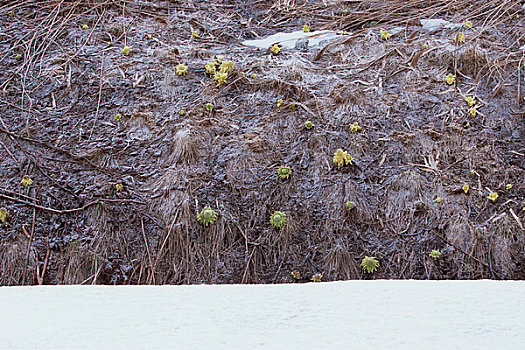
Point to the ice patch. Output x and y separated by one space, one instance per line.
289 40
434 24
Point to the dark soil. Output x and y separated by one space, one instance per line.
62 86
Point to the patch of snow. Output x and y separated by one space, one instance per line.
336 315
288 40
434 24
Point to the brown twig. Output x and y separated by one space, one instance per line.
152 267
29 243
245 274
65 211
40 277
101 78
9 152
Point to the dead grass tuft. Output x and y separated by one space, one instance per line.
403 194
13 260
340 264
78 262
185 147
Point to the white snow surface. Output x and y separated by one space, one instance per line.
337 315
434 24
288 40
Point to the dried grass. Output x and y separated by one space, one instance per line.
12 262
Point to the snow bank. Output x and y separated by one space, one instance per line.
288 40
338 315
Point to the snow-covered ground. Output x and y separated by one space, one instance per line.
339 315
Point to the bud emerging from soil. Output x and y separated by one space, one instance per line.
284 172
355 127
227 67
126 50
26 181
369 264
317 277
308 125
493 196
220 78
207 216
182 69
435 253
278 219
3 215
211 67
342 158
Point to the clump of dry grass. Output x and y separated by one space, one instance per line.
192 253
13 260
468 246
403 194
340 263
185 147
80 265
370 13
506 246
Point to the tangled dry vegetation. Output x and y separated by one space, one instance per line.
116 199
